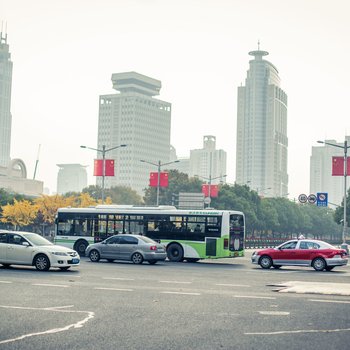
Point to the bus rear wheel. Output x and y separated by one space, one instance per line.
80 246
175 252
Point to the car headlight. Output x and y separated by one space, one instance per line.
59 253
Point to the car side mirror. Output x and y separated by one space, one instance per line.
26 244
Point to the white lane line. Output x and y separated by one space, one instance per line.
300 331
181 293
50 285
78 324
232 285
116 289
118 278
253 297
330 301
8 282
175 282
274 313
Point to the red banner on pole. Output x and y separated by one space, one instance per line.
338 166
109 167
164 179
98 166
153 179
214 190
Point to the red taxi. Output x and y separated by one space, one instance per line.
306 252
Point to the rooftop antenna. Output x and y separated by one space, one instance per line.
36 162
258 45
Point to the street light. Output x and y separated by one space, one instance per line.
103 151
345 149
159 165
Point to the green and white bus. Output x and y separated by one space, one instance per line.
187 234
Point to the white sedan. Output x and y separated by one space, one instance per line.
26 248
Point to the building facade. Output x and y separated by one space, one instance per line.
135 118
262 142
321 179
71 178
208 163
5 101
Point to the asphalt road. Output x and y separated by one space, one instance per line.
216 304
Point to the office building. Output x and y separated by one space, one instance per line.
208 163
135 118
262 143
5 101
321 179
71 178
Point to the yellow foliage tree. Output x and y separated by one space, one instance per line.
20 213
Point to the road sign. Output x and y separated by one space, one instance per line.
302 198
312 199
322 199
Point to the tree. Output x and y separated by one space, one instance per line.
20 213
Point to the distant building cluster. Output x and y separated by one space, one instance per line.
134 117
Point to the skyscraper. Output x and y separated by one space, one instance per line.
262 143
5 101
135 118
71 178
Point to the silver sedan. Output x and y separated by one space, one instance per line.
134 248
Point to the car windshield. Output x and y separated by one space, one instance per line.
147 240
36 239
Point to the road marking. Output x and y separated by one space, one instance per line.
50 285
274 313
5 282
118 278
78 324
177 282
253 297
181 293
232 285
300 331
330 301
116 289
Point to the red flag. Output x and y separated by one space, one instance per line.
109 167
338 166
214 190
153 179
164 179
98 167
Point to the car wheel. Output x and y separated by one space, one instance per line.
152 262
137 258
94 255
265 262
329 268
276 266
175 252
319 264
42 262
65 268
80 246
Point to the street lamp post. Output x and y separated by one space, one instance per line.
103 151
345 149
158 165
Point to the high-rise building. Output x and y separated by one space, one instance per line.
208 163
71 178
135 118
321 179
5 101
262 143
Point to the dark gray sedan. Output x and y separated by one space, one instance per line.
134 248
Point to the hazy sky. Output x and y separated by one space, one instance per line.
64 53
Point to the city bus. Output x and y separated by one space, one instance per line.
187 234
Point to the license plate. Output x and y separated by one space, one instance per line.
75 261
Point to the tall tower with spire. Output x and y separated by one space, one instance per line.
5 100
262 142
